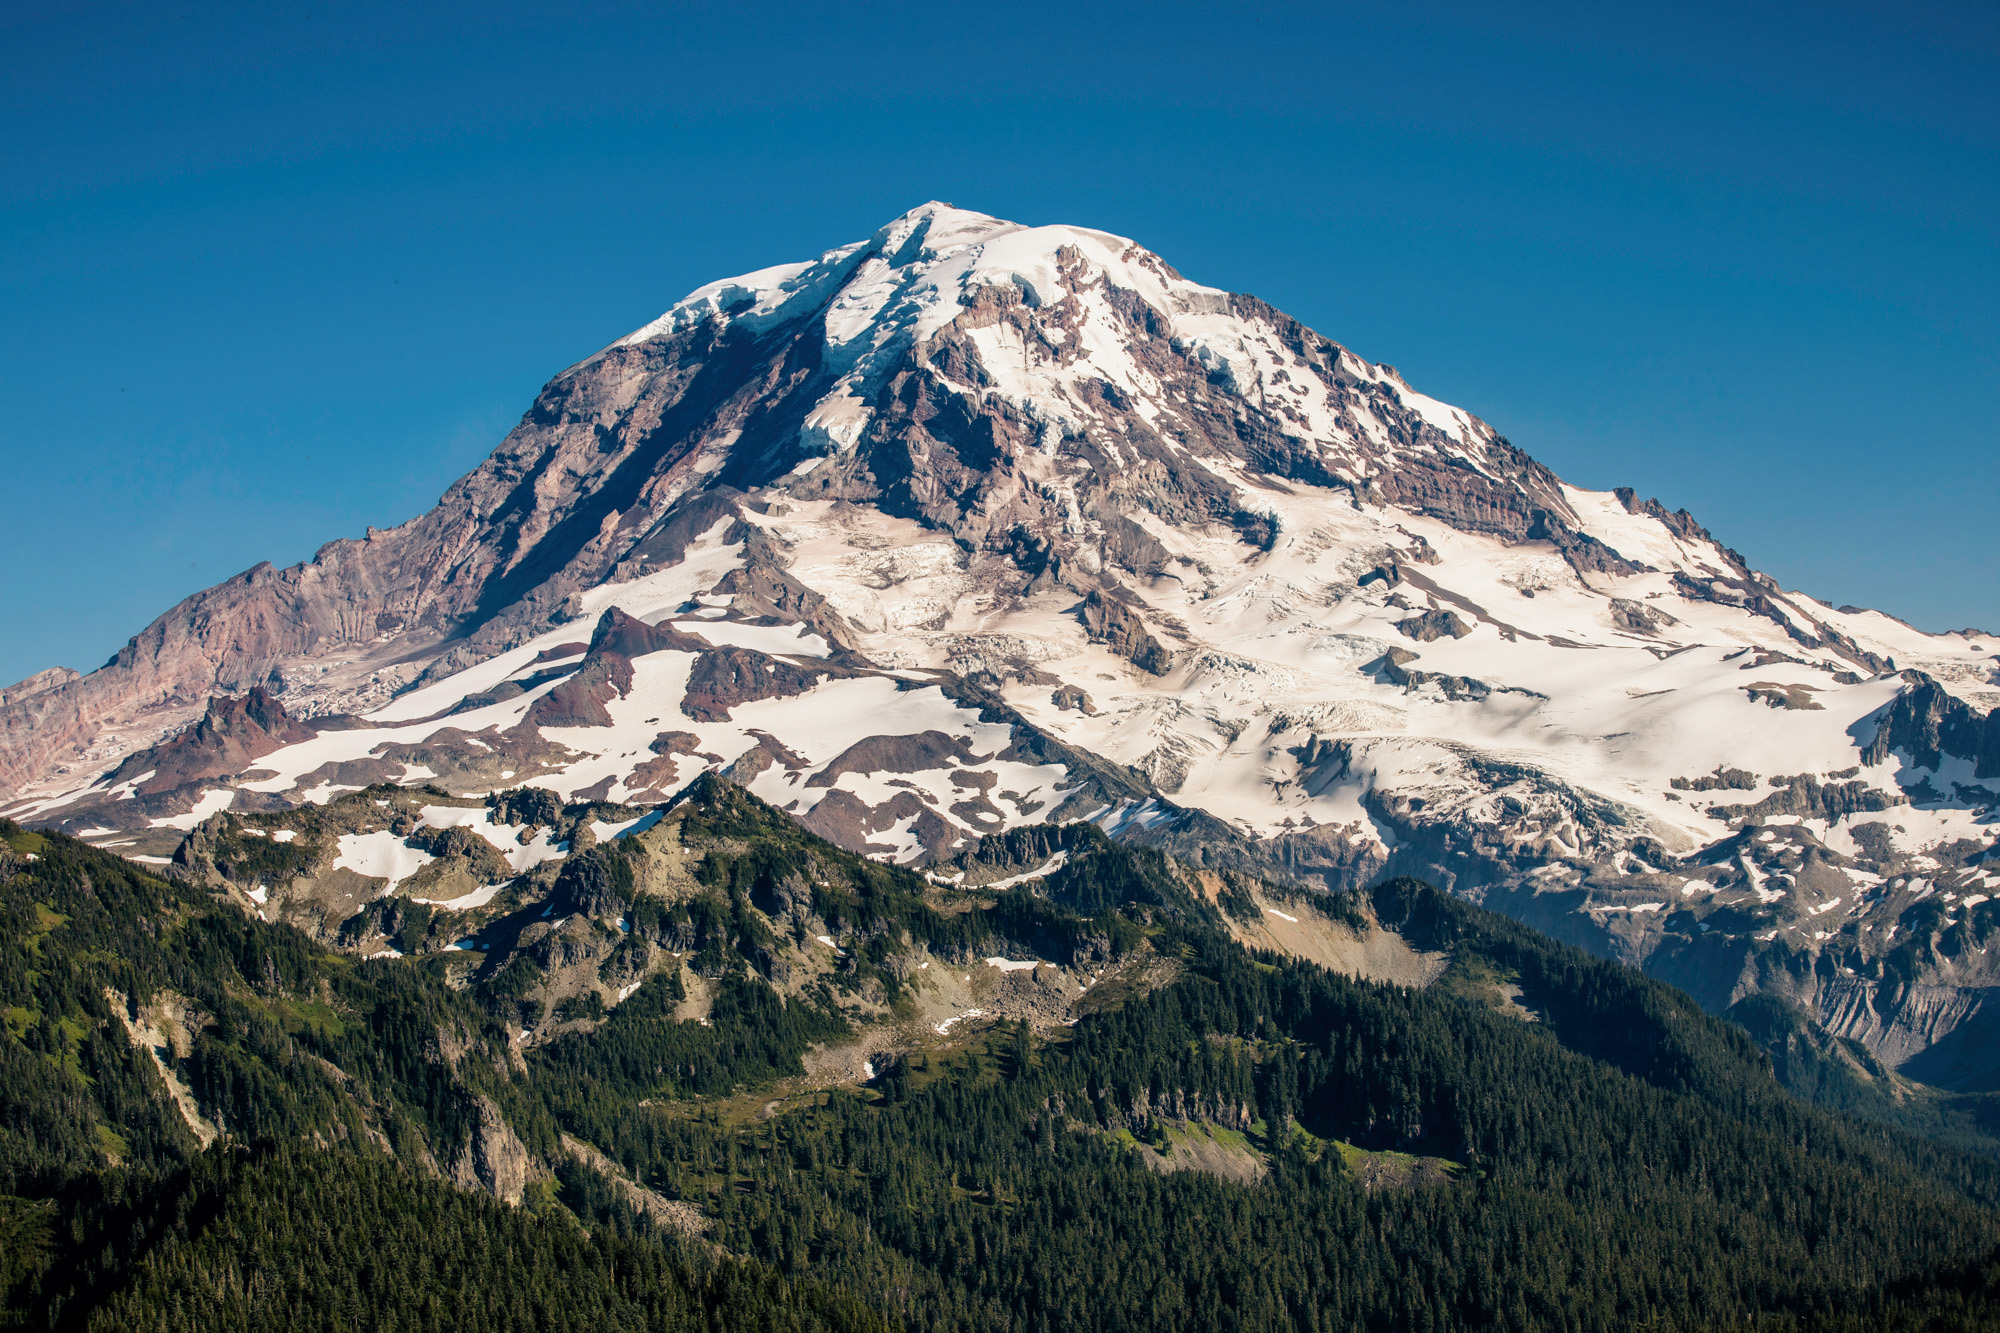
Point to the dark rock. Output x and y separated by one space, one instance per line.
606 671
841 817
1117 626
1723 779
1806 796
478 858
661 774
1927 722
1748 592
1433 625
920 753
1387 575
1680 522
1258 530
1796 697
726 677
1073 697
1638 617
533 806
1131 546
572 944
589 884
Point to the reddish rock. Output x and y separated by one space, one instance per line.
231 734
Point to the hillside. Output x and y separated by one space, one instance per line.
716 1068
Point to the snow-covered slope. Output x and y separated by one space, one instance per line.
972 524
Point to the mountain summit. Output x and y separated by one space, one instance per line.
972 525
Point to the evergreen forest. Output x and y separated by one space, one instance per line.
1538 1140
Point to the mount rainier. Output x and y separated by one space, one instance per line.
972 525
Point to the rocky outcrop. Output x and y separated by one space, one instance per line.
606 671
492 1158
1118 627
526 805
1928 724
1751 592
231 734
1723 779
1073 696
1520 501
1796 697
1638 617
1432 625
1679 522
726 677
1806 796
1391 667
460 850
39 683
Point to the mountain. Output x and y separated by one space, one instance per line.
972 526
716 1072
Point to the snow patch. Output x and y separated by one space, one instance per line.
381 855
1042 871
477 898
945 1026
612 832
210 802
776 640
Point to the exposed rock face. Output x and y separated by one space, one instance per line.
473 857
731 676
1433 625
1639 617
494 1159
233 732
605 673
1805 795
1723 779
1116 626
1929 725
38 683
1071 696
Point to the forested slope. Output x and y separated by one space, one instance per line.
1539 1140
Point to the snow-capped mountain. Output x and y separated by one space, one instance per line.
974 525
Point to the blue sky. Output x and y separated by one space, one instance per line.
271 274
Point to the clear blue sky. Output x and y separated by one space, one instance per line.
271 274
